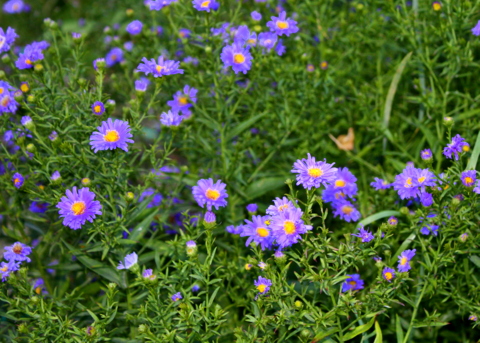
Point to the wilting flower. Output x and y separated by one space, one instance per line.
162 68
210 194
353 283
282 25
469 177
344 142
129 261
287 227
176 297
312 173
78 207
7 38
237 57
257 231
98 108
456 146
111 135
365 235
17 252
404 260
388 274
17 180
263 285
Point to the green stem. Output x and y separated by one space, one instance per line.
414 314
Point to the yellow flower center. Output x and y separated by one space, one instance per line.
408 182
251 41
78 208
23 87
4 269
238 58
205 4
2 41
466 148
282 25
97 109
267 222
388 276
38 290
403 261
437 6
159 68
340 183
16 180
339 195
212 194
262 232
183 100
1 90
17 249
16 7
27 61
111 136
323 64
261 288
5 100
353 283
282 208
289 227
347 209
468 181
315 172
248 266
421 179
113 57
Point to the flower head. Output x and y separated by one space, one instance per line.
32 53
469 177
234 230
148 274
262 285
287 227
346 210
8 104
17 180
436 5
426 155
210 194
7 38
282 25
405 183
135 27
404 260
473 317
176 297
17 252
156 199
78 207
456 146
38 207
388 274
379 184
365 235
429 229
476 29
392 221
129 261
160 68
252 208
114 56
195 288
258 232
141 85
8 267
98 108
353 283
237 57
205 5
183 101
280 205
171 118
267 40
256 16
111 135
312 173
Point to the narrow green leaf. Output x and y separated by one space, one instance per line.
264 185
425 325
377 216
475 259
359 330
243 126
143 226
472 164
213 297
379 335
399 330
323 334
404 246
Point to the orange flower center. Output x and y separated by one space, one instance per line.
347 209
466 148
289 227
38 290
282 208
111 136
183 100
159 68
238 58
468 181
4 269
408 182
262 232
261 288
27 61
5 100
421 179
212 194
1 90
17 249
78 208
340 183
97 109
315 172
403 261
205 4
437 6
282 25
353 283
16 180
388 276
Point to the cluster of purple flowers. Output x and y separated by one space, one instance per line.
8 104
7 38
32 53
412 183
205 5
15 255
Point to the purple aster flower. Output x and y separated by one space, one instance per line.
111 135
157 5
156 199
457 146
15 6
55 176
7 39
209 217
279 254
205 5
310 68
78 207
379 184
365 235
135 27
392 221
252 208
183 101
388 274
8 104
234 230
148 274
31 54
426 155
282 25
324 65
312 173
184 33
76 35
98 108
353 283
280 49
469 177
346 182
38 207
404 260
332 194
257 231
280 205
114 56
195 288
424 177
257 16
405 183
263 285
476 29
267 40
17 180
262 265
237 57
17 252
162 68
346 210
26 120
287 227
95 62
129 261
141 85
8 267
176 297
429 229
53 136
473 317
171 118
426 199
39 286
210 194
477 188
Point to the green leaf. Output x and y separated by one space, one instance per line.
398 329
243 126
475 259
263 186
425 325
323 334
404 246
359 330
472 164
378 331
143 226
377 216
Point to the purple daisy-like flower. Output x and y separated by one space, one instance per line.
8 267
8 104
353 283
379 184
98 108
287 227
332 194
365 235
404 260
258 232
17 252
346 210
55 176
129 261
176 297
262 285
405 183
237 57
113 57
267 40
15 6
111 135
78 207
157 5
346 182
424 177
148 274
234 230
392 221
256 16
429 229
135 27
476 29
160 68
205 5
39 286
141 85
38 207
156 197
18 180
209 194
426 199
183 101
7 38
32 53
456 146
280 205
282 25
388 274
171 118
469 177
252 208
184 33
312 173
426 155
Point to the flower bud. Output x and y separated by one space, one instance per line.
129 12
6 59
209 220
463 237
35 299
38 68
18 95
142 328
23 328
112 286
31 98
31 147
298 304
90 331
27 122
448 121
208 49
2 75
86 181
130 196
404 210
191 248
